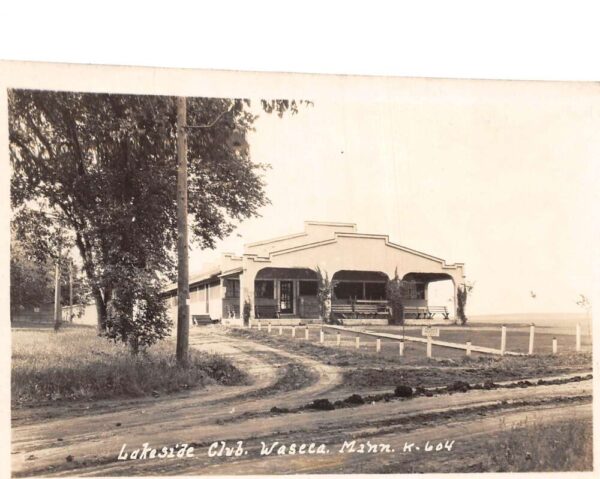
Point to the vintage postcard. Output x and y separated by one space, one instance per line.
236 273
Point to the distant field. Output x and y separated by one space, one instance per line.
559 320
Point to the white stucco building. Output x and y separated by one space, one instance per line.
278 277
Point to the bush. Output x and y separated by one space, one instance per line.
403 391
354 399
322 405
279 410
458 386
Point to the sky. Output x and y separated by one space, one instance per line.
498 175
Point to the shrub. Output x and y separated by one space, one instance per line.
395 291
459 386
403 391
279 410
461 302
322 405
354 399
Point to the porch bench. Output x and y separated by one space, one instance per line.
359 310
433 310
201 319
269 311
418 311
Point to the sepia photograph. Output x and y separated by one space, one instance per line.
233 273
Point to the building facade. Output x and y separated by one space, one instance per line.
279 278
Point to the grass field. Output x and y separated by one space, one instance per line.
529 447
77 364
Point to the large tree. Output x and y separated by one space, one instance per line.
106 166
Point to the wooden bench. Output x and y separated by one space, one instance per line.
357 310
433 310
201 319
266 311
418 311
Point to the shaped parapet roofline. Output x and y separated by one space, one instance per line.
309 227
337 235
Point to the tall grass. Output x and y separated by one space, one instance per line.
77 364
543 447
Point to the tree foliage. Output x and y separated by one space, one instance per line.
462 293
105 166
324 294
31 281
396 292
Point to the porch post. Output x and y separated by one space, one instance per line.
455 302
242 295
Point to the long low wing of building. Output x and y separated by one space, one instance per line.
279 278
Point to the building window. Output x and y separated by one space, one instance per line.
348 290
375 291
264 289
232 288
415 290
309 288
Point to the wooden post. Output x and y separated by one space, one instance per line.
321 337
357 340
503 341
401 348
71 290
429 346
339 339
280 330
57 308
269 328
578 337
378 345
293 331
554 346
183 284
468 349
531 337
259 325
306 332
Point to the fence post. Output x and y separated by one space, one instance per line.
339 339
321 337
531 337
378 345
503 341
259 325
578 337
293 331
269 328
554 346
357 342
401 348
468 350
280 330
306 332
429 344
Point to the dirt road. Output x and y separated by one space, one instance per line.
88 441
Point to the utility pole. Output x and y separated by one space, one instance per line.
183 322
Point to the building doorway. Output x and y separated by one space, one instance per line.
286 297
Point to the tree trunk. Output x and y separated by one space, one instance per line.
100 311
